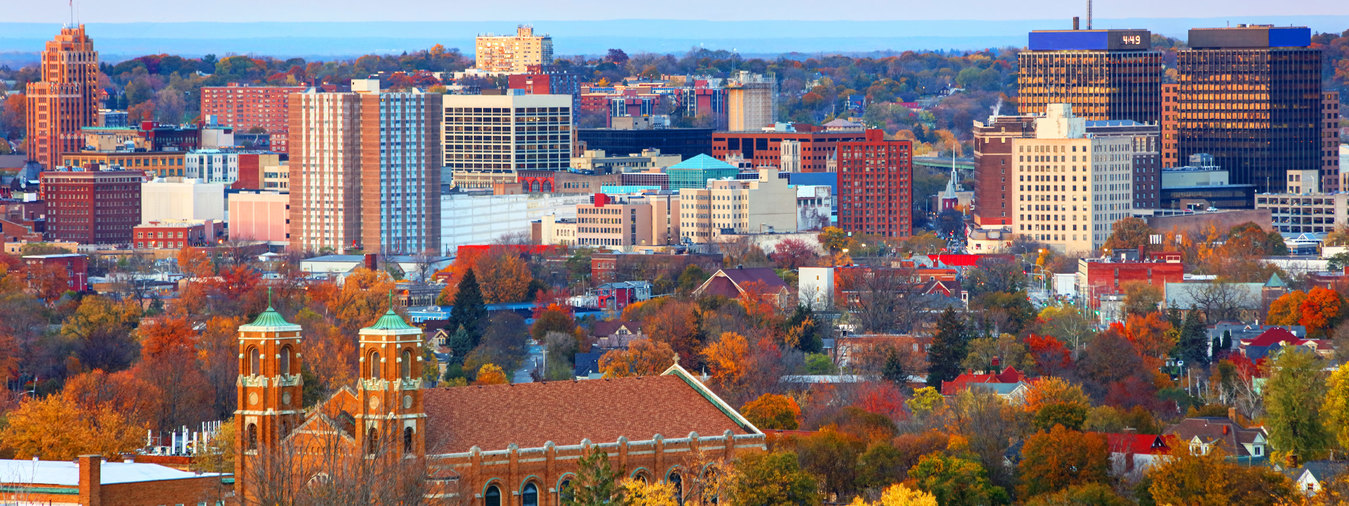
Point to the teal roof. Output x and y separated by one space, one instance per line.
270 318
391 321
1275 282
703 162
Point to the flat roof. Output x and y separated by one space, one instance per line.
67 473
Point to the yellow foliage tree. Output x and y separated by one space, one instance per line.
641 493
726 358
1337 406
53 429
899 495
491 374
643 357
504 277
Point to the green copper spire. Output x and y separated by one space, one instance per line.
391 320
269 317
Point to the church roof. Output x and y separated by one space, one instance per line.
702 162
492 417
391 321
269 318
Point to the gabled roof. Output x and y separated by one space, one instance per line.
609 327
1271 337
493 417
1221 431
1323 470
702 162
1139 444
741 279
964 380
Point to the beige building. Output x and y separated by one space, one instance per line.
487 139
1294 213
513 54
765 205
751 102
276 176
1067 187
597 161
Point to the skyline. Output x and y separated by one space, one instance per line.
544 10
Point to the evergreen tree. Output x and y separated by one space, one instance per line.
1194 346
1227 339
469 311
596 482
1217 347
460 344
948 349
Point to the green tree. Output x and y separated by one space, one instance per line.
1293 396
596 482
771 478
948 349
1337 406
469 311
956 480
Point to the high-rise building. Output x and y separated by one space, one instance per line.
92 207
513 54
1067 187
875 186
993 165
1251 97
751 102
1147 168
488 138
1330 142
365 170
1170 121
251 108
1103 74
65 99
817 149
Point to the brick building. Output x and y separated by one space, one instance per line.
875 179
1096 278
92 207
654 428
153 163
993 165
91 481
75 265
251 108
66 98
174 234
818 149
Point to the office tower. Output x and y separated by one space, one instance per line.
1103 74
65 99
488 138
875 186
365 170
1251 97
993 165
1330 142
1170 122
1146 139
513 54
751 102
92 207
1068 188
249 109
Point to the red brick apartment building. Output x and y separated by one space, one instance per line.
247 107
765 148
92 207
875 186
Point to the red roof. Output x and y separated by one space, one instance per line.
733 282
565 412
962 260
522 248
1139 444
1271 337
955 386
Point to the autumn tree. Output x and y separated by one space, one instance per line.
1293 395
1094 493
1152 336
948 349
793 254
773 411
1060 458
194 263
1068 324
1336 407
54 429
726 361
491 374
1129 233
831 454
1320 312
643 357
363 296
505 276
554 318
1287 309
1054 401
1213 479
636 492
956 480
771 478
169 357
899 495
1005 349
1141 297
101 331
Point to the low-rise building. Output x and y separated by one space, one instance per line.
1295 213
260 216
1096 278
175 234
76 268
737 207
597 161
1201 435
182 199
480 217
153 163
90 480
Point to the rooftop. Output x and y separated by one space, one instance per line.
67 473
703 162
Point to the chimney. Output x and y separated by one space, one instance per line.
371 261
1075 25
996 362
91 479
1226 429
1232 414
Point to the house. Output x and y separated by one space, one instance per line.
1131 453
1012 393
962 382
613 334
1201 435
90 480
1313 476
587 365
756 281
1274 339
850 348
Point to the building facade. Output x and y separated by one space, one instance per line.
1147 147
1068 187
251 109
92 207
1330 142
163 200
993 165
751 102
513 54
737 206
153 163
173 234
818 149
1251 97
1103 74
1297 214
66 98
364 170
487 139
260 216
875 180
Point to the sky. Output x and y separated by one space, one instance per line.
127 11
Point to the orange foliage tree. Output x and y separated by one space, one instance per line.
1061 458
773 411
1320 311
504 276
466 260
726 360
643 357
1287 309
194 263
55 429
491 374
136 399
1152 335
48 281
169 357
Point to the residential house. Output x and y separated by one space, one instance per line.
1313 476
615 334
1200 435
1131 453
1274 339
755 281
1013 393
966 379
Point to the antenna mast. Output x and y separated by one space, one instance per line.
1088 14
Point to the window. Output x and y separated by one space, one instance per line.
492 497
375 363
406 365
678 483
252 436
254 362
371 441
407 440
530 496
565 493
285 360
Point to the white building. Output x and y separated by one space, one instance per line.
757 206
1293 213
488 138
182 199
1068 187
212 165
814 206
815 287
470 218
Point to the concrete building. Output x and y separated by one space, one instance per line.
365 170
228 166
1102 74
625 222
260 216
250 109
479 217
64 99
597 161
182 199
489 138
1068 187
176 234
153 163
732 206
751 102
875 180
92 207
1147 149
1296 214
993 165
513 54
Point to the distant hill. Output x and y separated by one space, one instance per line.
117 41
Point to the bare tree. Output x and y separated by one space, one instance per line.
886 300
1221 301
329 466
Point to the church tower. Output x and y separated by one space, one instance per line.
390 388
269 388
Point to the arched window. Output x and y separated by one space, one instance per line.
492 497
285 359
565 493
375 365
530 496
406 366
678 484
407 440
371 441
252 436
254 361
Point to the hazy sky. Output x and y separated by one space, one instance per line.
120 11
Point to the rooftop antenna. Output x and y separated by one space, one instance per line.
1088 14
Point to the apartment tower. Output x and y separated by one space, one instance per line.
250 109
513 54
65 99
875 186
365 170
487 139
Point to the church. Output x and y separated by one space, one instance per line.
389 439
